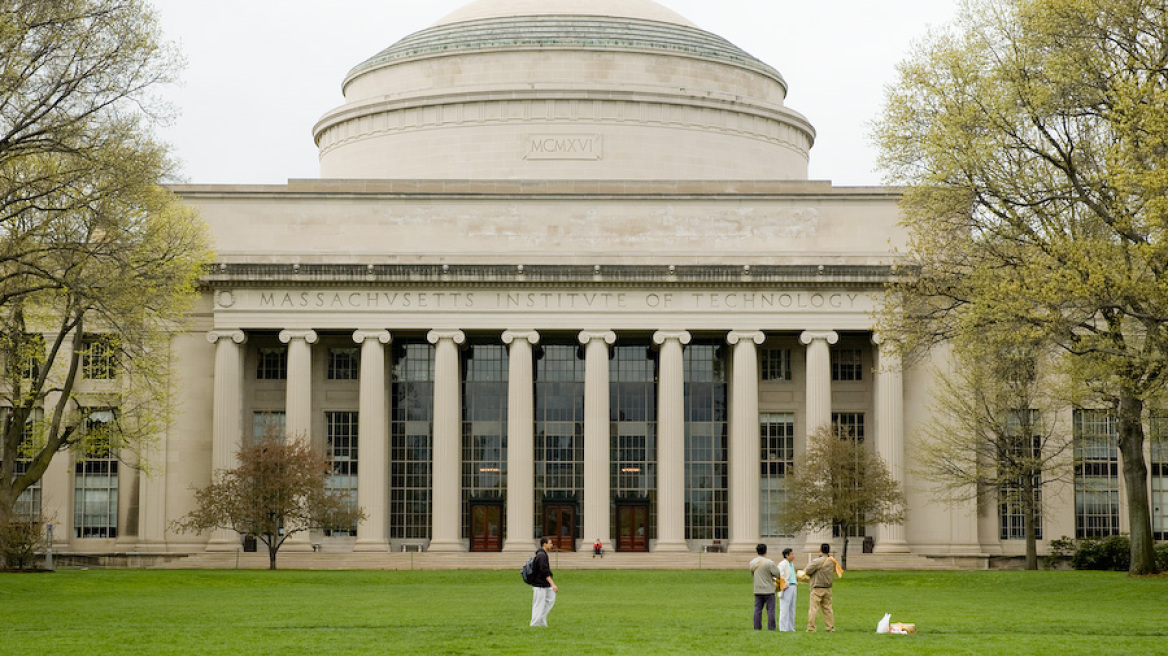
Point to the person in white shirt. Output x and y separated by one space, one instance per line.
788 595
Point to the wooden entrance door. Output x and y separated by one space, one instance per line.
559 523
486 526
632 525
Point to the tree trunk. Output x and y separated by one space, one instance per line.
1135 478
272 550
844 556
1030 508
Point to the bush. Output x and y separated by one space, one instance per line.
1109 553
19 542
1162 556
1061 550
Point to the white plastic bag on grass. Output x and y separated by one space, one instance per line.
882 626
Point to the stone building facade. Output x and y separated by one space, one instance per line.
563 273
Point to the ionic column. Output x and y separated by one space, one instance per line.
818 400
597 442
671 441
373 441
520 440
890 434
298 403
227 417
446 515
744 441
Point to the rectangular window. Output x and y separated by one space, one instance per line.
267 424
341 434
632 407
411 440
28 504
99 357
1022 446
775 364
484 426
1096 474
271 363
850 425
559 428
777 459
28 355
847 364
342 363
706 443
95 490
1158 468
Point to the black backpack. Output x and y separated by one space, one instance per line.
528 571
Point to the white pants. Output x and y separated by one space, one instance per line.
787 609
542 600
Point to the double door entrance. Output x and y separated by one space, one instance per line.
558 521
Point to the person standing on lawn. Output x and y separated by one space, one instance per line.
765 571
787 595
822 571
543 591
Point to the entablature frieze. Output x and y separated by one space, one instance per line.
564 308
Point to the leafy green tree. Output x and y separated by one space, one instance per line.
994 433
279 489
1032 138
98 261
840 483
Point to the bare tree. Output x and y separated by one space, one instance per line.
279 489
839 484
994 435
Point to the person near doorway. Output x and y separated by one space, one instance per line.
765 572
543 591
598 548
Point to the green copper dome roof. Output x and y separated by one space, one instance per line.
568 32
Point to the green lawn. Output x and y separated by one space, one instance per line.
597 612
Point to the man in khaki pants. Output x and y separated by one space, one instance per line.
822 571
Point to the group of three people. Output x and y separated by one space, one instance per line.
821 573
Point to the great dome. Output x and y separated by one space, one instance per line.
564 89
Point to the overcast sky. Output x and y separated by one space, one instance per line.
259 73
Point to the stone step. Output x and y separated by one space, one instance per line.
560 560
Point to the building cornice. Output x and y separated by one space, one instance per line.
230 275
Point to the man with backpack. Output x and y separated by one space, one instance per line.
543 588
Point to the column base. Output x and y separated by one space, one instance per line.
743 547
292 545
371 546
150 546
670 547
223 545
446 546
520 546
891 547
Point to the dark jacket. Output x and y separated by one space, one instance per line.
543 569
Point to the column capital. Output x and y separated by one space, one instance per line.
456 336
662 336
531 336
735 336
383 336
309 335
808 336
237 336
608 336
